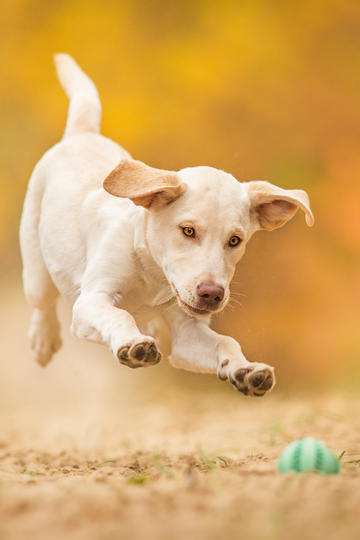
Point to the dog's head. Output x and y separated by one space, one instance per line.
200 220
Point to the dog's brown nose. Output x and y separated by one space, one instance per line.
210 293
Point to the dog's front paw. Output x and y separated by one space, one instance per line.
254 379
143 353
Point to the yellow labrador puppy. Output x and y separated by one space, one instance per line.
124 242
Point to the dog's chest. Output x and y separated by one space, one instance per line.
151 290
148 295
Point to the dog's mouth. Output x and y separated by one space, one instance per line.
189 308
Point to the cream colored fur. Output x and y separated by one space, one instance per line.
119 255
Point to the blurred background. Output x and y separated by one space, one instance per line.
263 90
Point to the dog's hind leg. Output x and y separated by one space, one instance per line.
41 293
44 334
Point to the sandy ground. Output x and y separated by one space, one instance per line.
90 449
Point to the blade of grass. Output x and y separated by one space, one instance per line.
137 480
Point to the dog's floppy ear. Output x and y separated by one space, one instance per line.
144 185
274 206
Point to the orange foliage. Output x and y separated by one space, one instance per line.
261 89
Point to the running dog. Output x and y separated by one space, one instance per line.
124 242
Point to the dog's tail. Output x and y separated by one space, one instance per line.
84 114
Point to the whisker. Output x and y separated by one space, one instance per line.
235 301
236 293
228 306
233 304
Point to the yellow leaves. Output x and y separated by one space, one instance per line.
261 89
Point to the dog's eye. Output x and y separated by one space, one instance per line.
189 231
234 241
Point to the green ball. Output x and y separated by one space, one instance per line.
308 455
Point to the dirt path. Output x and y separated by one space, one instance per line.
204 471
91 450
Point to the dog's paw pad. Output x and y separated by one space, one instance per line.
239 385
254 380
240 374
222 372
257 378
139 352
237 379
261 381
139 355
268 383
153 355
123 354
